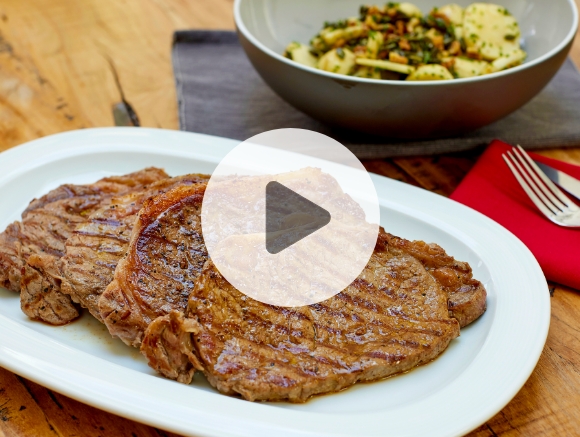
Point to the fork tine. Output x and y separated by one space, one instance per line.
537 170
535 199
537 182
555 210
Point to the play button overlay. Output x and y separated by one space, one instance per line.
300 217
290 217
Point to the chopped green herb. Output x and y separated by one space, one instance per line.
431 39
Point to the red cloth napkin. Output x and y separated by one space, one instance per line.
491 189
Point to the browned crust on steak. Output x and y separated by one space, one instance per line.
40 295
39 242
402 311
467 296
96 245
10 261
392 318
165 256
167 340
170 350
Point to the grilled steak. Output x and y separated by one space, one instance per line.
392 318
165 257
166 254
96 245
30 249
168 342
10 261
467 296
147 285
402 311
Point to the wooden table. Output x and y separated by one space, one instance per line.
65 63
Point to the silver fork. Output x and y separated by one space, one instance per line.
549 199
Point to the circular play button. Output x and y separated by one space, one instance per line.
300 213
290 217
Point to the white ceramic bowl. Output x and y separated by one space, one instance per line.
401 109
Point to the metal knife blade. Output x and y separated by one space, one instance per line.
564 180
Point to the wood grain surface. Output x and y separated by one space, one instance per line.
64 64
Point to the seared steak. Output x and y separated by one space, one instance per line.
168 346
392 318
30 249
166 254
164 259
10 261
97 244
467 296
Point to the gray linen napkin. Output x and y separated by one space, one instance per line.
220 93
